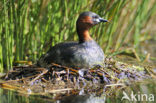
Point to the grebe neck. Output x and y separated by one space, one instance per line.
83 35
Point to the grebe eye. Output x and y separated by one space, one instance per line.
96 17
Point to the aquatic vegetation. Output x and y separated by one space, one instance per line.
28 28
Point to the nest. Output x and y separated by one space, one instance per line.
64 80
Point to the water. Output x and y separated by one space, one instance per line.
143 89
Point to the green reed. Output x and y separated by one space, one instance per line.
29 27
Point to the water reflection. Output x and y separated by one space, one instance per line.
144 87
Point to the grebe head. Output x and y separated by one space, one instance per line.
85 21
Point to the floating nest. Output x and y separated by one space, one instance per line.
65 81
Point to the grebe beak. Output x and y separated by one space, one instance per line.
103 20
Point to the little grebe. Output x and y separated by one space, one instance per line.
83 54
